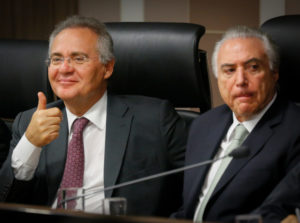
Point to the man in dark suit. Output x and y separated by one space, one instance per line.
246 66
5 136
126 138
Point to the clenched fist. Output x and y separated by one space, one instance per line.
44 125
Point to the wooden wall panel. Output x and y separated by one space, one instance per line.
103 10
166 10
292 7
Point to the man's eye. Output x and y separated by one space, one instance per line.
253 68
56 59
79 59
228 70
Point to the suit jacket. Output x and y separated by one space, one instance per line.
274 149
284 199
144 136
5 136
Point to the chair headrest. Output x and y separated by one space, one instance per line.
285 32
160 60
23 73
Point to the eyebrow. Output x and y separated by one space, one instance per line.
72 54
227 65
253 60
55 54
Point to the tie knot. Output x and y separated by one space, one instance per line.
240 132
79 125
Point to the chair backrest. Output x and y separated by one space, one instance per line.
161 60
285 32
23 73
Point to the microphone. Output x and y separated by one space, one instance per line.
237 153
240 152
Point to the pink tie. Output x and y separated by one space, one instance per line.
74 168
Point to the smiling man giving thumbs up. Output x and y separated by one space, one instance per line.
91 138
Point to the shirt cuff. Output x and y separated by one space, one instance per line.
25 159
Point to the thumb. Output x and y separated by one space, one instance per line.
42 101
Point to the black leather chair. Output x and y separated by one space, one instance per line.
23 73
285 32
161 60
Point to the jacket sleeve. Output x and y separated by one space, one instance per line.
284 199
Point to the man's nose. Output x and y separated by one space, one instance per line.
67 65
241 77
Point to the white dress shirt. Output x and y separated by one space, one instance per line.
249 125
25 156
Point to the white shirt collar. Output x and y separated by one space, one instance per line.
96 114
251 123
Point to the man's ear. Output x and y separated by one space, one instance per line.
109 69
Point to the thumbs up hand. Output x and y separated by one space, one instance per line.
45 123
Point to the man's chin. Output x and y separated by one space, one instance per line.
66 96
246 111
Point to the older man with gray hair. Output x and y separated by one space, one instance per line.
90 138
255 115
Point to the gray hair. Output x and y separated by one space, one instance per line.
105 43
246 32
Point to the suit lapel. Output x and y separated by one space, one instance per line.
56 153
210 148
206 150
117 131
255 142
